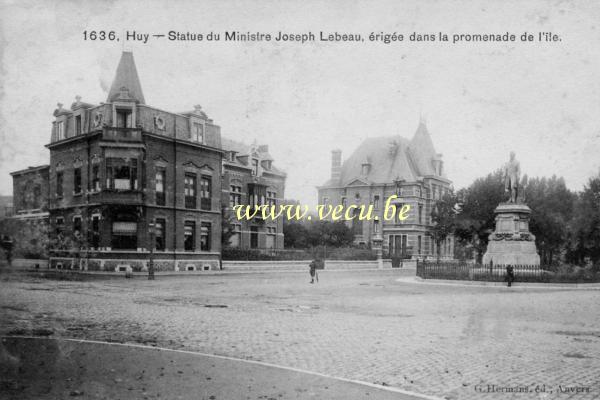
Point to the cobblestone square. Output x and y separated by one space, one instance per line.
452 342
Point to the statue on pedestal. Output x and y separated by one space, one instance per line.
512 243
512 172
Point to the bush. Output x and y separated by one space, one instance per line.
340 253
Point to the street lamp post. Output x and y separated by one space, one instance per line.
152 232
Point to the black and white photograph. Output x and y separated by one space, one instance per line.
271 200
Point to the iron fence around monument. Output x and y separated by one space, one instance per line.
457 270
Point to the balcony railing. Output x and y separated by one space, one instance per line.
122 134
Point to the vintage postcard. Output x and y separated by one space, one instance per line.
299 199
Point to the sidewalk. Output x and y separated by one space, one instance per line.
515 285
61 368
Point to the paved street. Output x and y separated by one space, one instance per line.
439 340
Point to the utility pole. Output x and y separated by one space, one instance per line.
152 232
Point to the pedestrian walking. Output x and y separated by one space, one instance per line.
313 271
313 267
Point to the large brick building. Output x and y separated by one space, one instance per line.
384 166
30 193
123 169
251 178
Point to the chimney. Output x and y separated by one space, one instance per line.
336 164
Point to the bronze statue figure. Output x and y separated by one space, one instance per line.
512 171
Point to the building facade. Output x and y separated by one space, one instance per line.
128 182
250 178
30 193
126 177
386 166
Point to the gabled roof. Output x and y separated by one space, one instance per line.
389 158
126 77
245 150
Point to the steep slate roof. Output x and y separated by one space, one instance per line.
422 151
243 149
127 77
390 158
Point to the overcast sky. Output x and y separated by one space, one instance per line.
480 100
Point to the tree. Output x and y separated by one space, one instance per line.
443 217
227 227
30 237
551 206
477 219
295 235
585 227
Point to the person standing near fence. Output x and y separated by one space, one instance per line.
510 275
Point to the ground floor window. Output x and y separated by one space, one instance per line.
205 236
189 236
124 235
159 227
398 245
254 237
95 232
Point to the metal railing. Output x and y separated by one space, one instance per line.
456 270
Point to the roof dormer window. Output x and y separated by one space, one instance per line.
254 167
198 132
60 130
266 164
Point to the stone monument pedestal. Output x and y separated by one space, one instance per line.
511 243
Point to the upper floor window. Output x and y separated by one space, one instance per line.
235 195
189 189
271 198
344 202
160 186
254 167
121 173
205 192
77 181
60 225
376 202
37 196
59 184
76 226
124 118
95 178
60 130
198 132
420 213
78 125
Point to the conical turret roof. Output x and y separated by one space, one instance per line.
126 77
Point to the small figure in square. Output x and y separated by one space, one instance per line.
510 275
313 266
